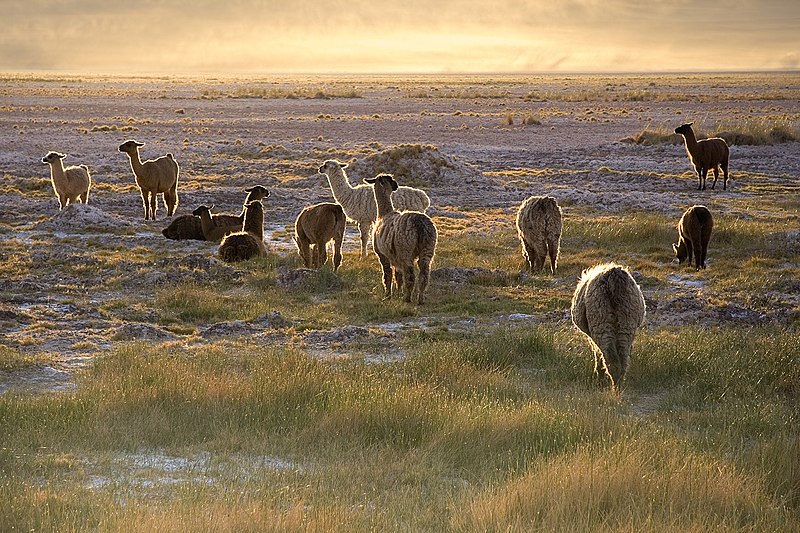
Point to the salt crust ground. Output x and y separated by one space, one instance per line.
460 150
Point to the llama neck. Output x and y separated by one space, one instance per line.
57 169
136 163
206 222
690 140
254 222
383 201
340 185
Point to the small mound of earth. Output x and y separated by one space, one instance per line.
416 165
462 274
271 321
298 277
81 217
135 331
339 335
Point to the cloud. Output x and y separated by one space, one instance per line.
379 35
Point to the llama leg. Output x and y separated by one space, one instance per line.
304 247
725 176
552 250
398 280
171 200
153 205
424 278
62 202
85 197
408 282
387 276
530 255
699 260
146 204
689 251
323 252
540 254
337 254
599 367
716 176
364 228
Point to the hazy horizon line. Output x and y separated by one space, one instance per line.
157 73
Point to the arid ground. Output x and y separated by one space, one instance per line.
81 284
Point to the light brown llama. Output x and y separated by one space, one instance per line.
69 184
539 223
608 307
314 228
154 177
400 239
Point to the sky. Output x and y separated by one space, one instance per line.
397 36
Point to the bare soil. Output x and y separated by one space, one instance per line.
451 136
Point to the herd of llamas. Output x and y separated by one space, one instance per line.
607 306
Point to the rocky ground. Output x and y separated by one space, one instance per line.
465 141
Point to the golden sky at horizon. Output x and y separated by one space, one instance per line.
376 36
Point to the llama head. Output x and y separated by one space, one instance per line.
382 181
331 165
52 157
203 209
683 129
256 192
130 146
681 251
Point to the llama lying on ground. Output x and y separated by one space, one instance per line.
608 306
694 232
255 193
154 177
211 230
190 226
705 155
539 223
184 227
399 239
69 184
249 242
316 225
359 203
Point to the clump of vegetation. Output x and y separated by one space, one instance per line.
757 131
267 93
752 131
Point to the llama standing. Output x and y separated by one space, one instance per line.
69 184
154 177
608 307
359 204
705 155
400 239
539 223
694 233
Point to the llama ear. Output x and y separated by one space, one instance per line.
370 180
137 143
61 156
689 123
394 184
343 165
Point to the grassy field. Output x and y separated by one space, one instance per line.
499 428
146 386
